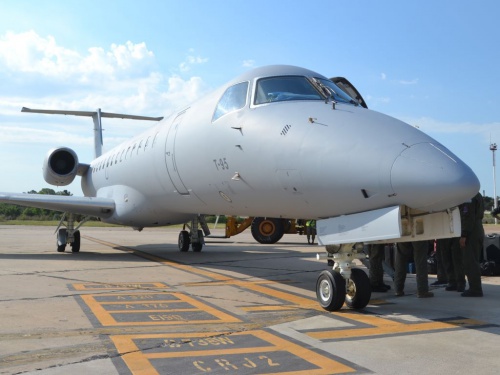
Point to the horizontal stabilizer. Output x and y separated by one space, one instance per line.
99 207
90 114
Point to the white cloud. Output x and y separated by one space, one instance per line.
248 63
37 72
30 53
191 60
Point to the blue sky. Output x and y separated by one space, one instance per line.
434 64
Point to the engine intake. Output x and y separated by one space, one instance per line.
60 166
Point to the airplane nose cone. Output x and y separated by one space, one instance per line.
428 177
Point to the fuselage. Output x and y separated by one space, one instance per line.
254 149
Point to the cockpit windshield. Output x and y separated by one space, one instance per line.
285 88
276 89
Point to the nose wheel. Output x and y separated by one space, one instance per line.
343 283
330 290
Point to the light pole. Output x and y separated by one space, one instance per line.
493 148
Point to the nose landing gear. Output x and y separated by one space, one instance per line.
343 283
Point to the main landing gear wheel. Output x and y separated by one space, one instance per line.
184 240
75 246
61 240
330 290
359 290
197 246
267 230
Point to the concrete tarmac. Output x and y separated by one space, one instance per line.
131 303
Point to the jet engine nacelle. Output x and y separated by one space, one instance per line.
60 166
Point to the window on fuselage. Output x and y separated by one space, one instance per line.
277 89
234 98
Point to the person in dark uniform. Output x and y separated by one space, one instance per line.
376 271
453 263
471 243
403 255
441 274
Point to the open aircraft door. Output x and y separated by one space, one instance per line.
349 88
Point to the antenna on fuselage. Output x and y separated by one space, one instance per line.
96 117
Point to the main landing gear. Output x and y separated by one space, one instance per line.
343 283
194 236
69 235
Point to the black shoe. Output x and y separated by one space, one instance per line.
400 294
470 293
451 287
460 288
388 287
379 289
439 282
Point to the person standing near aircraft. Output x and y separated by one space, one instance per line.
441 274
471 243
403 254
310 231
376 271
453 263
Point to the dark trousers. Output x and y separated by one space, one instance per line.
376 257
440 265
452 260
471 255
403 255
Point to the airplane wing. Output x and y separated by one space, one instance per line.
100 207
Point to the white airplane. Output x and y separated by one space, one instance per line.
277 142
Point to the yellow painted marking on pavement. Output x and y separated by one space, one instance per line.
379 326
118 286
129 350
105 317
300 301
388 327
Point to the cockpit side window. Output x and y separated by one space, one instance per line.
234 98
276 89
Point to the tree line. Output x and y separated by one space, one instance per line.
15 212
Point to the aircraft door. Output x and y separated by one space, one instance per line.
349 88
170 162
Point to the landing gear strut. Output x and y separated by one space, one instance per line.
343 283
70 234
194 236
